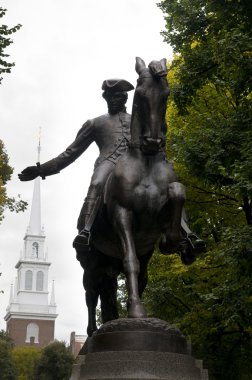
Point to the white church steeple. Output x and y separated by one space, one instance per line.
29 298
34 227
35 237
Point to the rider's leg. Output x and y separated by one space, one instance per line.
186 231
189 244
86 210
97 184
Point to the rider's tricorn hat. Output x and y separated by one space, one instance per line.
117 85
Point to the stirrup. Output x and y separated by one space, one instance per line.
196 244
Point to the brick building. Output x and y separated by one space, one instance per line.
76 343
30 316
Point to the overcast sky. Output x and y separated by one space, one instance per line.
63 52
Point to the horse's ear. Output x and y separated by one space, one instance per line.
164 64
140 65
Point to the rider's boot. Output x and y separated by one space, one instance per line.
82 240
189 247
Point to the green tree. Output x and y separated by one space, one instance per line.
209 140
7 366
213 39
5 169
205 148
210 301
55 363
213 42
5 175
5 41
25 359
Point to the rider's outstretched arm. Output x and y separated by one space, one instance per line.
83 139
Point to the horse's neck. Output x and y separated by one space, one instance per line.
137 130
136 127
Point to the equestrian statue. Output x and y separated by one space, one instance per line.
134 199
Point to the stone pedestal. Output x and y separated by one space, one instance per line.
137 349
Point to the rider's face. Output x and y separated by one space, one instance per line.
116 102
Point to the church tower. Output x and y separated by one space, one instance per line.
30 315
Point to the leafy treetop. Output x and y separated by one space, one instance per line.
5 41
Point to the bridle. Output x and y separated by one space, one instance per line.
148 145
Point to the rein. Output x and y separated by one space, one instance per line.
146 144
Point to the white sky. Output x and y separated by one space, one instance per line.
63 52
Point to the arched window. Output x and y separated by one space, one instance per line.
35 249
32 333
28 280
40 281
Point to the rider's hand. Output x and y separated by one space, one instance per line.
31 172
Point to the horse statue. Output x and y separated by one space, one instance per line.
142 199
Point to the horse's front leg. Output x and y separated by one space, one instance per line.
131 267
171 218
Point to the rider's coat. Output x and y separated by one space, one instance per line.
111 134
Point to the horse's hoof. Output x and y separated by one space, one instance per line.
136 310
91 330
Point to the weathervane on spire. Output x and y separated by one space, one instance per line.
39 146
39 150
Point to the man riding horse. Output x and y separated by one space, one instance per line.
111 133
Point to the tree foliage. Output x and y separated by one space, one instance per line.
213 39
213 83
5 41
5 175
25 359
5 169
8 369
55 363
210 301
210 142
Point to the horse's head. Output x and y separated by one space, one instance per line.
148 125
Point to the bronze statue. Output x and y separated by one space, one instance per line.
134 196
111 133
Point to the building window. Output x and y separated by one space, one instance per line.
28 280
40 281
35 249
32 333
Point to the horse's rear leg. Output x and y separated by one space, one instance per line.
91 302
131 267
108 296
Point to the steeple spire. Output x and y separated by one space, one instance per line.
39 146
35 217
